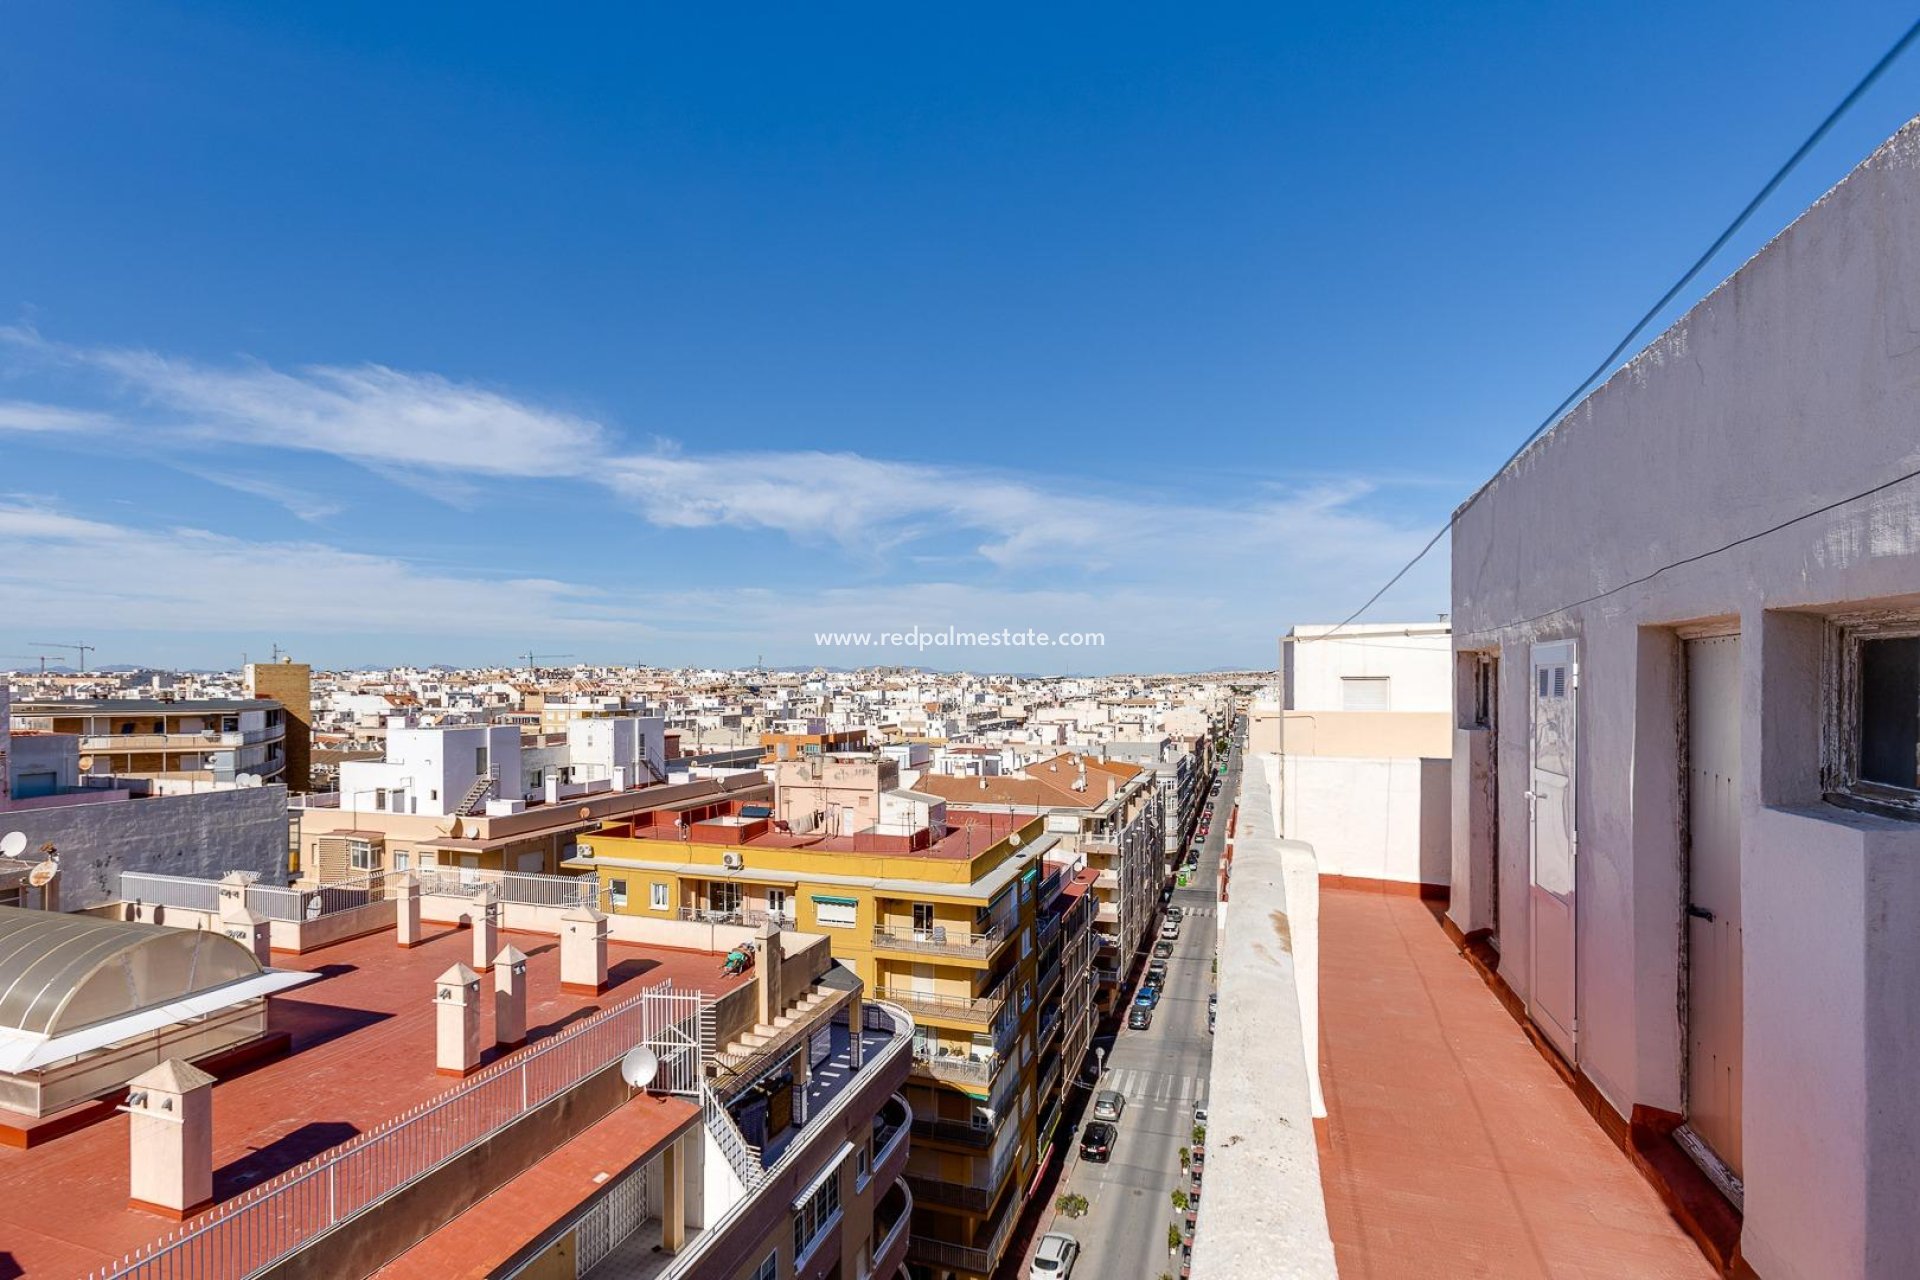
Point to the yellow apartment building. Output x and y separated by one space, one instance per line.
936 916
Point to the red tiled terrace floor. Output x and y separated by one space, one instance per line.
1451 1147
363 1046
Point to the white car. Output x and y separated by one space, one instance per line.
1055 1257
1170 930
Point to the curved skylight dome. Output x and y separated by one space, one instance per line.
59 973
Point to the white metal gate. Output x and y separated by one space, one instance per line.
608 1225
1552 913
1713 896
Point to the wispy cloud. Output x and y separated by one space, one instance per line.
306 506
1162 558
25 415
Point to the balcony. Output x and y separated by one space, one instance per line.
976 1259
892 1223
961 1133
973 1011
941 941
951 1195
737 916
959 1066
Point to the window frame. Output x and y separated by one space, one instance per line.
1840 753
660 896
617 891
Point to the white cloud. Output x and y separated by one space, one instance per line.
25 415
368 413
306 506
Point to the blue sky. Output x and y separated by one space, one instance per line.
395 333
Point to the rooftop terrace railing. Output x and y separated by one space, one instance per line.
277 1219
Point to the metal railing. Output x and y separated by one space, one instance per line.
277 1219
940 941
957 1066
961 1132
975 1258
742 1155
525 887
737 916
189 893
278 903
973 1009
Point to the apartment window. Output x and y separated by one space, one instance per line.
769 1269
723 895
862 1166
778 906
379 797
838 913
617 892
1877 719
480 760
402 861
360 855
659 896
815 1213
1363 693
923 920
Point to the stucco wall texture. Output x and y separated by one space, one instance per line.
1747 468
205 835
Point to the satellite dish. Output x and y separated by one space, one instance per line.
586 811
248 780
639 1067
1014 839
86 764
12 843
313 907
43 873
457 830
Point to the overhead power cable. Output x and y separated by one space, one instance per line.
1780 175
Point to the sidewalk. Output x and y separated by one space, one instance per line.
1451 1148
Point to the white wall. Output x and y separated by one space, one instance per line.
1791 388
1375 819
1415 658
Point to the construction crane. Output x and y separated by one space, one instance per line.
82 649
530 657
40 658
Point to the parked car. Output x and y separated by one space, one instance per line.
1140 1019
1203 831
1096 1142
1055 1257
1108 1104
1162 950
1200 1113
1176 913
1148 997
1170 930
1156 971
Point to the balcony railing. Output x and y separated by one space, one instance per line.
958 1066
892 1221
962 1133
975 1258
940 941
951 1195
977 1010
738 916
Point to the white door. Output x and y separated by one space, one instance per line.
1713 896
1551 910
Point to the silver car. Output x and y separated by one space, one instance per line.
1108 1104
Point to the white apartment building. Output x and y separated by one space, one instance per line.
1687 623
451 770
1364 740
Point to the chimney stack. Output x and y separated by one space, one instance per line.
457 1022
405 892
486 928
170 1140
510 998
583 952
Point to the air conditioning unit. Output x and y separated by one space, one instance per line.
732 861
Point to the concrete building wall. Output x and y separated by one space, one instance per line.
205 835
1413 659
1756 435
1378 819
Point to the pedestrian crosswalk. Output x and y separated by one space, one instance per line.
1156 1089
1197 911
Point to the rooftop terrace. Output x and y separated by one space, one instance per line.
362 1053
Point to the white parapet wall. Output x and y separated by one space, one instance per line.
1265 1213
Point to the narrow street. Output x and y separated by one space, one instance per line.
1163 1073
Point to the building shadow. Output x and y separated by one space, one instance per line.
559 1024
280 1155
629 969
313 1024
